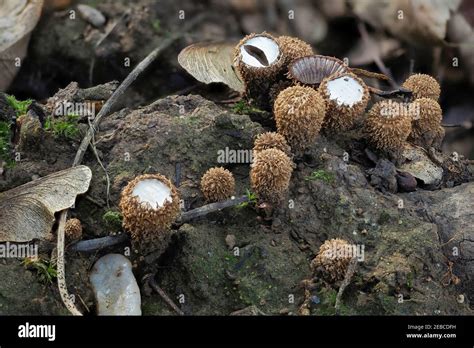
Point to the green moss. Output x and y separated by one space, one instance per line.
113 219
45 269
5 145
63 127
321 175
20 106
328 302
243 108
156 24
252 199
383 218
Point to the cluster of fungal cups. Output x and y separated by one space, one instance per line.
311 93
389 124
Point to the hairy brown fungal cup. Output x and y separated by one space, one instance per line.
333 259
426 123
149 204
217 184
259 61
299 113
294 48
388 125
271 140
73 230
270 175
346 97
423 86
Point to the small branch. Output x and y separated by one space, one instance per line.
107 178
370 74
98 243
152 282
390 94
347 279
209 208
67 300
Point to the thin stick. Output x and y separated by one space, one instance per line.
67 299
347 279
98 243
140 68
209 208
108 241
152 282
107 178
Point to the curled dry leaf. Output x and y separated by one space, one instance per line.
365 51
416 21
18 18
27 211
211 62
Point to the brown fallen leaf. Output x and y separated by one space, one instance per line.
18 18
211 62
415 21
27 211
365 51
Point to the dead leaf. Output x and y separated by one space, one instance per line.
211 62
415 21
27 211
364 51
18 18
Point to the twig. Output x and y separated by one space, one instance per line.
140 68
347 279
370 74
390 94
108 241
107 178
209 208
67 299
152 282
98 243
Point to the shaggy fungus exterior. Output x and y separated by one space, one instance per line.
149 204
423 86
294 48
271 140
270 175
73 230
388 125
426 123
259 61
333 259
217 184
299 113
346 97
276 89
